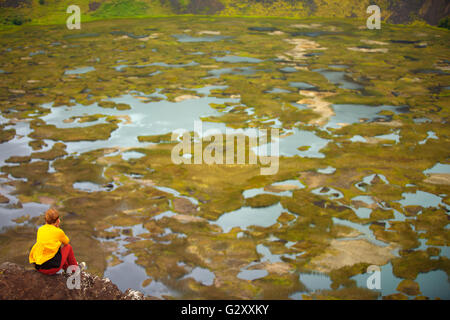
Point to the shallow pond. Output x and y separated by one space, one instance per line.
277 90
302 85
28 210
422 198
438 168
123 62
244 71
87 186
327 170
430 135
252 274
18 146
287 70
132 155
135 276
256 191
237 59
202 275
153 118
80 70
313 282
433 284
176 193
291 145
367 233
353 113
121 67
339 79
247 216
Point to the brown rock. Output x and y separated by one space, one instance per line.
18 283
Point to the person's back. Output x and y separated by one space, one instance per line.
52 251
48 242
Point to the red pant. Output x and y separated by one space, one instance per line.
67 259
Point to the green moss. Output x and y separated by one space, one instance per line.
111 104
432 251
306 219
285 217
399 232
396 296
433 222
6 135
262 200
88 118
156 138
107 104
96 132
409 287
57 151
37 144
35 171
277 286
18 159
411 264
341 277
379 214
71 169
123 106
15 243
363 129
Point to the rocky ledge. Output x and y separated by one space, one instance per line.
18 283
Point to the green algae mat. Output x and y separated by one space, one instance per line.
362 179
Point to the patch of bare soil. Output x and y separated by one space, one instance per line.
343 253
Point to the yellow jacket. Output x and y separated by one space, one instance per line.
49 239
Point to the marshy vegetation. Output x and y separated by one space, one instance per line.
363 175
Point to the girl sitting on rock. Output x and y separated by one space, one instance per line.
52 251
